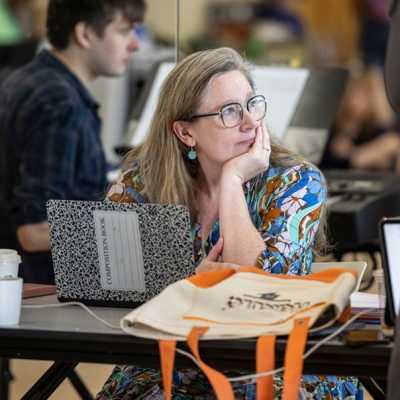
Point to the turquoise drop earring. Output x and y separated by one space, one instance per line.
192 154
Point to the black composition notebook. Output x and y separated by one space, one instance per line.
111 254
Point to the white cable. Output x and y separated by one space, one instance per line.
377 387
185 353
339 330
281 369
75 303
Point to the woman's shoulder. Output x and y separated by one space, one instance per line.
128 187
288 175
302 168
279 178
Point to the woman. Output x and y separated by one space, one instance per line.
251 202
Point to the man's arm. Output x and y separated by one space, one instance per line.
47 163
34 237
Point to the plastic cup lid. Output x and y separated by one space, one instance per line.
10 278
9 256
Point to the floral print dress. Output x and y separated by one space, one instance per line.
284 204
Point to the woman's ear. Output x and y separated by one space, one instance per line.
183 132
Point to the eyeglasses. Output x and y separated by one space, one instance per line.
232 114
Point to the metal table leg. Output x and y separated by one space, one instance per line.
5 378
79 386
49 381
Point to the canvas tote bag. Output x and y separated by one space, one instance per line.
228 304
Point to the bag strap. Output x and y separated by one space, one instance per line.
219 382
294 359
265 361
167 355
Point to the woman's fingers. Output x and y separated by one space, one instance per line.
216 251
230 265
259 138
211 263
206 266
257 147
265 138
262 141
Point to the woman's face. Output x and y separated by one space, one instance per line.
214 142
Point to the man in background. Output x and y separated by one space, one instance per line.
50 145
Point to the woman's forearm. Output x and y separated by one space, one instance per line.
242 242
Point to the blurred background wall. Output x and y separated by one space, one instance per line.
314 33
331 27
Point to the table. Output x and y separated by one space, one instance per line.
69 335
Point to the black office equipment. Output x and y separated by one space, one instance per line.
359 200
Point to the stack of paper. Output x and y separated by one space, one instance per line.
361 301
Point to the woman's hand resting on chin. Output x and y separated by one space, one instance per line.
252 163
211 263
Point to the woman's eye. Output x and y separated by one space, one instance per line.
254 103
229 110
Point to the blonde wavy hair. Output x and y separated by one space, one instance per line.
168 176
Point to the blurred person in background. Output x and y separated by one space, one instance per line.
366 132
50 144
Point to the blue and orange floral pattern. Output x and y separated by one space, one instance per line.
285 205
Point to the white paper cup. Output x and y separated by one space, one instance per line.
10 300
9 262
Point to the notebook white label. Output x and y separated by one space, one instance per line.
120 250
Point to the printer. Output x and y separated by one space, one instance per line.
358 200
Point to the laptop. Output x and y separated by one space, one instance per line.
389 230
120 255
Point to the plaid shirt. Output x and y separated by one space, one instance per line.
50 144
50 148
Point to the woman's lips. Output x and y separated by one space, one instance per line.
248 142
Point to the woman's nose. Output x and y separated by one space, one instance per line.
249 122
